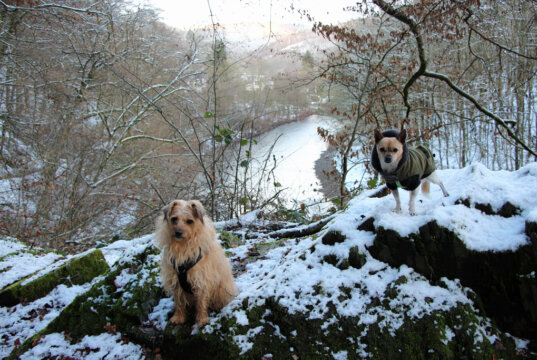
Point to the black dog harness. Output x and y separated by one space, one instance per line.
182 272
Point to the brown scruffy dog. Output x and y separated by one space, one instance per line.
194 268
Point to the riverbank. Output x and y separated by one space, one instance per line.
265 127
327 174
304 161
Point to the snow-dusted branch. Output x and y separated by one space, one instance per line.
60 5
422 71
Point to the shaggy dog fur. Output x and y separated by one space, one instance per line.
185 234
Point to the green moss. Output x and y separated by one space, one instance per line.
228 239
220 343
112 301
423 338
75 272
451 334
265 247
5 257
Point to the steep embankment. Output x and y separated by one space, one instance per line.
448 283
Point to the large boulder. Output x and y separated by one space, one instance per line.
293 303
451 282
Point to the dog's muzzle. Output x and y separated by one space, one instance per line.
178 234
388 159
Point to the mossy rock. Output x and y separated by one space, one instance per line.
453 334
499 279
440 335
332 237
122 301
356 259
507 210
76 271
258 324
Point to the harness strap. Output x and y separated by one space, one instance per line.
182 272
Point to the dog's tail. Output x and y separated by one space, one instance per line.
425 188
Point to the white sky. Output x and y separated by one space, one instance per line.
195 13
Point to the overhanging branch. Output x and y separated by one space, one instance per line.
422 71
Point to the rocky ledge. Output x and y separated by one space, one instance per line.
452 282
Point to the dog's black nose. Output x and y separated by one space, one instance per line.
388 159
178 233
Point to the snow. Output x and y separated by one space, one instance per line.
296 146
282 274
11 272
241 317
24 320
103 346
532 215
477 230
297 266
10 246
125 249
161 313
247 219
341 355
10 196
54 266
242 340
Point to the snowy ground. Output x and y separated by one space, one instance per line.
479 231
300 269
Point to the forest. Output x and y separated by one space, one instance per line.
107 113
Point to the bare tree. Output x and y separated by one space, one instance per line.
460 71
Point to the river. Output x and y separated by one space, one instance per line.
296 147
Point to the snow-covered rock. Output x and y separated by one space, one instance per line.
451 282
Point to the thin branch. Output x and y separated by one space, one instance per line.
487 39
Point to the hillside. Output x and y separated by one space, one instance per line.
455 281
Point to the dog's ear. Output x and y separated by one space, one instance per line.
197 209
378 136
402 136
165 212
168 208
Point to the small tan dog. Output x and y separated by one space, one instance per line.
404 166
194 268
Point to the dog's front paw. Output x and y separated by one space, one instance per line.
178 319
397 210
202 322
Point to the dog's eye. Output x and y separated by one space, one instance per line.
190 221
174 220
394 150
382 150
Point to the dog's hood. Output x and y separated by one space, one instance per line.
375 156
